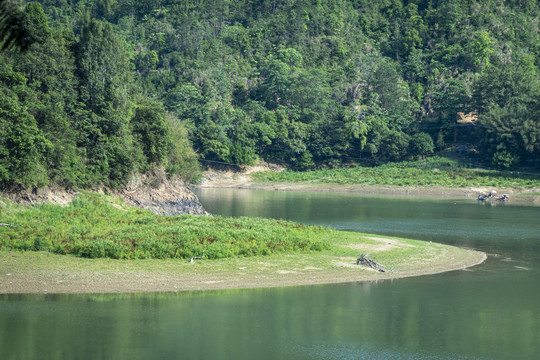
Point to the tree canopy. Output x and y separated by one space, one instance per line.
107 88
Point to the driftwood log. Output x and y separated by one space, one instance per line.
196 258
365 260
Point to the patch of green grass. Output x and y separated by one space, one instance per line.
432 172
96 226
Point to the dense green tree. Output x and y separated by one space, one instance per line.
35 24
22 144
394 146
49 68
212 142
421 145
181 160
515 129
481 49
277 79
507 97
187 102
150 129
12 34
102 68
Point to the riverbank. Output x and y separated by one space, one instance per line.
242 178
43 272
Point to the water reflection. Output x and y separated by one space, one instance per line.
454 315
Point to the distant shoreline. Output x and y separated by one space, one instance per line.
445 192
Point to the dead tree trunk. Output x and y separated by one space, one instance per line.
366 261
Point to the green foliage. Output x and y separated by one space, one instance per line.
181 160
35 24
67 104
304 83
102 69
12 34
22 144
92 227
394 146
481 48
421 145
503 160
150 127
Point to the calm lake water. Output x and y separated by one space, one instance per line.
491 311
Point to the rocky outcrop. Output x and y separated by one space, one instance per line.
155 193
162 196
51 194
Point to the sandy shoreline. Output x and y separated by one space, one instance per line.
383 190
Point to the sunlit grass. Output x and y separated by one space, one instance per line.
97 226
432 172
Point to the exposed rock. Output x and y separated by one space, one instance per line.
155 193
163 196
52 194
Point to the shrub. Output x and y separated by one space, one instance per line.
421 145
504 160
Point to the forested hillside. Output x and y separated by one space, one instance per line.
109 88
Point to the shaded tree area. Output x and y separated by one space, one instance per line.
111 87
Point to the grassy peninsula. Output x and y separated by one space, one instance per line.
98 244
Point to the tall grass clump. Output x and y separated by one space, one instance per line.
96 226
